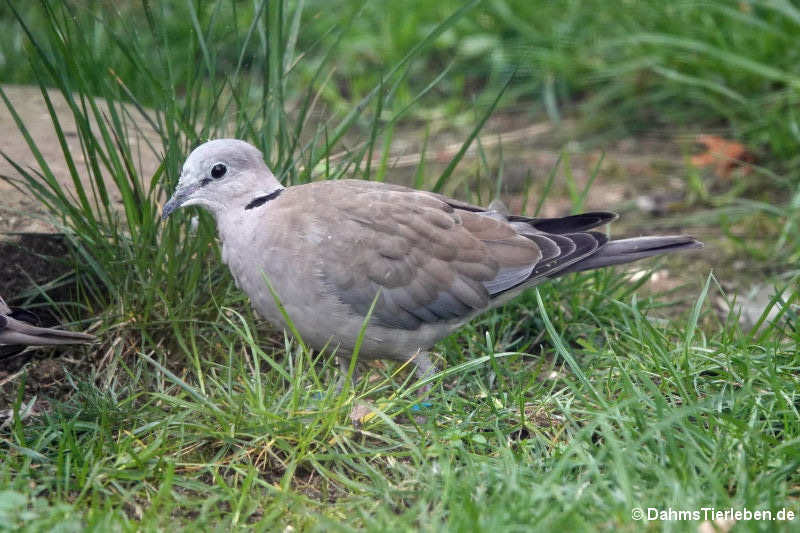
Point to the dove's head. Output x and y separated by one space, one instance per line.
222 174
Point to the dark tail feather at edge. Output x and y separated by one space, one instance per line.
568 224
633 249
13 331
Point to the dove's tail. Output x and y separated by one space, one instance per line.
633 249
13 331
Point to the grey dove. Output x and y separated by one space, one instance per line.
17 329
328 248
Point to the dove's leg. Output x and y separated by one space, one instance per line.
425 369
344 368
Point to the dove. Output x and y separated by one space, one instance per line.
17 330
429 263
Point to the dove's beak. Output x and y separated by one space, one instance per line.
179 197
173 204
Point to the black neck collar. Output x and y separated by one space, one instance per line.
261 200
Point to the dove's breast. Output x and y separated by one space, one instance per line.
284 246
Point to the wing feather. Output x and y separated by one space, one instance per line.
431 258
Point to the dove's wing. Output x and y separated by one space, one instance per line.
432 260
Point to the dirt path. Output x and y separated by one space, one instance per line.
18 211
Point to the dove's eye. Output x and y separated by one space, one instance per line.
218 170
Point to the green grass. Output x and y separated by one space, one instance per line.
659 416
565 410
631 67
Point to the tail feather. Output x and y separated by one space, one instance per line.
13 331
568 224
633 249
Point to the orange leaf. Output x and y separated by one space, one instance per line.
723 154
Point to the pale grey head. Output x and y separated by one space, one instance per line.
222 174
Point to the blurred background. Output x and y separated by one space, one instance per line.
686 112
